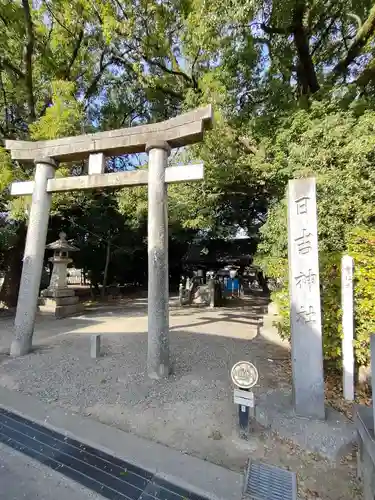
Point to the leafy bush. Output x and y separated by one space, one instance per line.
337 147
361 246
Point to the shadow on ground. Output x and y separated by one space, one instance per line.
46 328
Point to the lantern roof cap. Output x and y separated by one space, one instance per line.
62 244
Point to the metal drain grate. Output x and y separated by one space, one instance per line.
109 476
266 482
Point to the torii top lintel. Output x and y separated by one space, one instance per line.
182 130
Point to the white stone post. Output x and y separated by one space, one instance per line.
347 305
211 288
33 258
304 289
158 282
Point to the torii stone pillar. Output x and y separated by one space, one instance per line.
156 139
158 275
33 258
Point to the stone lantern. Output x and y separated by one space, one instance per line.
58 298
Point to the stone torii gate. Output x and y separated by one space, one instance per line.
156 140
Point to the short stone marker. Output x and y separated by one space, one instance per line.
347 306
305 314
95 346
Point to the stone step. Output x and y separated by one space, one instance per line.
70 310
60 292
59 301
62 311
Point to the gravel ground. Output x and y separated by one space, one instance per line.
192 411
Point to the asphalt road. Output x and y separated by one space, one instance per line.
22 477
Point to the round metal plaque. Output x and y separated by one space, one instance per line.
244 375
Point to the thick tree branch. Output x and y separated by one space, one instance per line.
46 105
323 36
367 75
126 116
5 21
273 30
49 35
328 13
3 132
157 63
121 7
362 37
94 82
195 81
170 92
28 56
97 14
5 104
75 52
57 19
306 70
5 63
164 68
119 58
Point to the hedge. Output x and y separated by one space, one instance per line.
360 246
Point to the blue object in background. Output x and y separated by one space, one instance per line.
232 285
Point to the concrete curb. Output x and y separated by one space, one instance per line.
198 476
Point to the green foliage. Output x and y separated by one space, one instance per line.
6 176
330 283
63 117
337 147
5 169
361 246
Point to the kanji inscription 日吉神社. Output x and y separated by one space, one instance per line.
305 315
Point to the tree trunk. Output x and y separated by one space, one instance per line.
306 70
13 271
28 58
107 260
